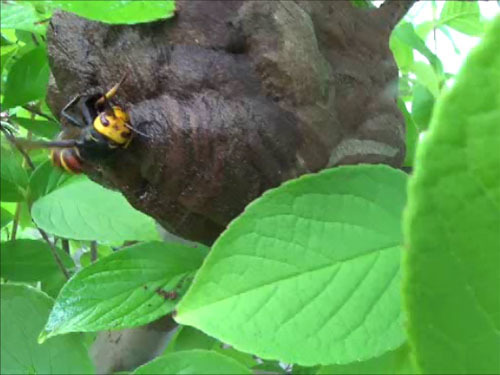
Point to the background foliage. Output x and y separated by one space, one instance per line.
308 278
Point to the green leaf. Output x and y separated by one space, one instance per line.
84 210
363 4
5 217
394 362
246 359
304 370
422 106
125 289
122 12
27 79
42 128
187 338
193 362
406 34
24 310
315 261
412 135
21 15
6 53
27 260
463 16
13 177
426 77
403 54
45 179
424 29
452 225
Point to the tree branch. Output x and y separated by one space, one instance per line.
394 10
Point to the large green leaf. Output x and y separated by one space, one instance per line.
309 273
193 362
453 225
24 310
125 289
13 177
394 362
124 12
464 16
27 79
27 260
84 210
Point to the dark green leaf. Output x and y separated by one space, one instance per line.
24 311
422 106
31 261
452 225
315 261
126 289
363 4
27 79
412 134
124 12
187 338
42 128
4 41
246 359
45 179
193 362
13 177
84 210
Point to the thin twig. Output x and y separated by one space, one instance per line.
37 112
393 11
16 144
15 223
65 245
54 252
93 251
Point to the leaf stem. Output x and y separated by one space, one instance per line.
15 223
65 245
54 252
93 251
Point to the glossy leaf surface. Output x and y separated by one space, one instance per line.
309 273
125 289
